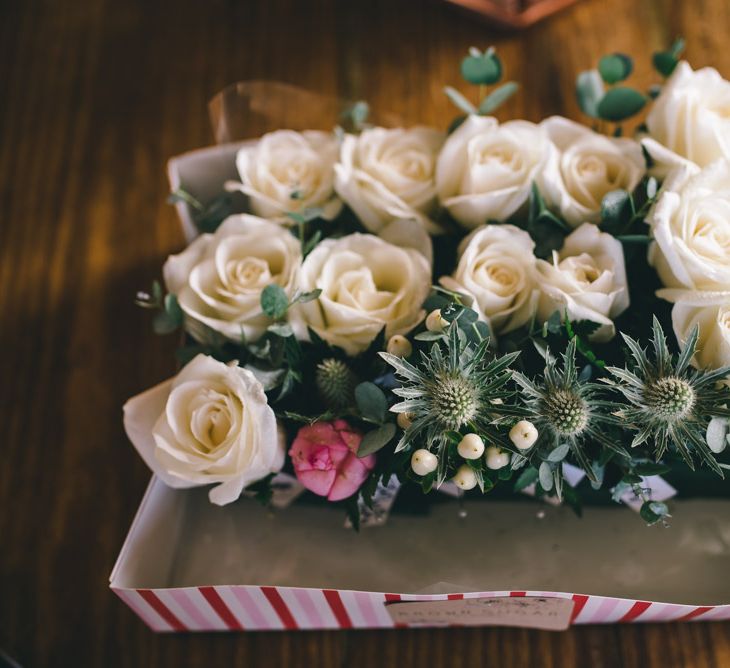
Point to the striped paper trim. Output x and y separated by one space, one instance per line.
253 608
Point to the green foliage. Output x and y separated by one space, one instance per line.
481 68
274 301
376 439
666 61
371 402
589 91
620 103
615 67
207 217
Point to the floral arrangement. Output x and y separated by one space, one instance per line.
477 309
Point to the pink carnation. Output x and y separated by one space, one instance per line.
325 459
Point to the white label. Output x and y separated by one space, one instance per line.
532 612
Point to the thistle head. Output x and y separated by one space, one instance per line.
456 400
566 411
336 383
670 398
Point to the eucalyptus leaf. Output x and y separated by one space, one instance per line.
459 100
527 477
497 97
616 209
371 402
274 301
481 70
615 67
559 454
620 103
376 439
545 474
589 91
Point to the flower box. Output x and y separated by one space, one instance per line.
188 565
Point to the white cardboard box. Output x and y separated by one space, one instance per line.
187 565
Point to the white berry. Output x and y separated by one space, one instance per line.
496 458
424 462
523 435
404 420
399 346
471 446
435 322
465 478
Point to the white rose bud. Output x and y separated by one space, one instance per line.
465 478
424 462
496 458
435 322
399 346
523 435
471 447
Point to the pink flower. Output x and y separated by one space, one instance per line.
325 459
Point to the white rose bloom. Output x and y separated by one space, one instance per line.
496 269
709 310
589 165
690 116
690 224
367 284
588 278
209 424
219 277
388 174
286 172
485 170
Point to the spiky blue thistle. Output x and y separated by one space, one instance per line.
670 403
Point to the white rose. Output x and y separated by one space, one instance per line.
588 278
219 277
690 224
589 165
385 175
209 424
367 284
709 310
497 269
485 170
286 172
690 116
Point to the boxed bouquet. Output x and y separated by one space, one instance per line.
392 321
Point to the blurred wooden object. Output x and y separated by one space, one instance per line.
512 13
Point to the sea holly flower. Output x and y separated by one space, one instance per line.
670 402
455 385
566 411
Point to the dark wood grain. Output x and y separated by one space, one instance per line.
94 97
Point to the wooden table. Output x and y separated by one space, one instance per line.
94 97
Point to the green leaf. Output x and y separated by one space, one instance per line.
545 474
527 478
664 63
172 308
304 297
616 209
371 402
459 100
480 70
497 97
376 439
274 302
620 103
651 468
162 323
615 67
559 454
589 91
653 511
